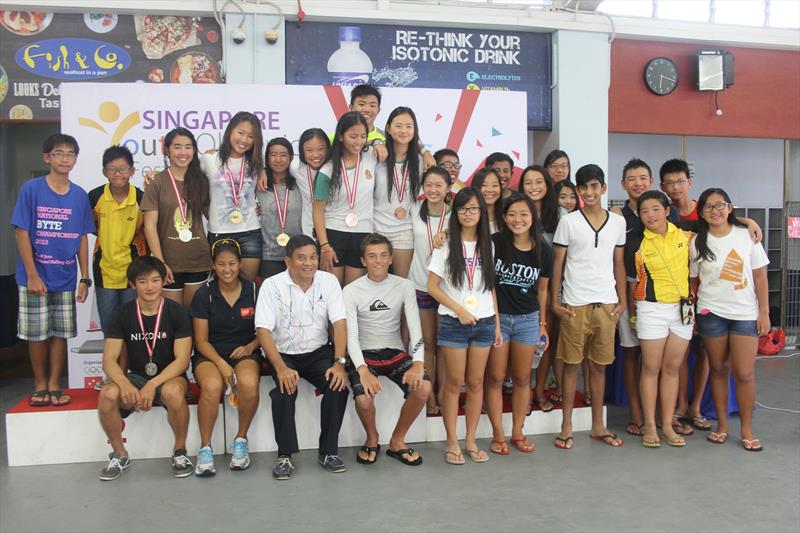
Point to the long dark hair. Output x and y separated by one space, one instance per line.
445 175
506 240
477 183
412 159
195 183
347 121
313 133
558 154
253 156
701 241
566 184
549 213
289 181
456 263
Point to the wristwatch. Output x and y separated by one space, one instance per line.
340 360
377 142
86 281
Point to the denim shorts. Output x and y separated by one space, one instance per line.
452 334
250 242
711 325
522 329
108 300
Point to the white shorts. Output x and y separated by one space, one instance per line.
627 339
401 240
656 321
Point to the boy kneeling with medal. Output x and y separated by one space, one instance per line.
157 334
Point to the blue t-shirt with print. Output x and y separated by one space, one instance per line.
55 223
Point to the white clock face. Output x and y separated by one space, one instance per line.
661 76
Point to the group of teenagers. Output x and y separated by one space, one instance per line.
366 256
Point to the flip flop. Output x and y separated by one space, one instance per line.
637 431
477 455
700 422
368 450
545 405
651 443
398 454
562 443
523 445
605 439
679 427
717 438
503 447
453 458
675 443
752 445
557 398
40 398
59 399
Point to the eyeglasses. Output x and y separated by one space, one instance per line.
720 207
560 166
675 183
118 171
63 155
474 210
450 166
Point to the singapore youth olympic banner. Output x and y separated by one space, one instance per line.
138 115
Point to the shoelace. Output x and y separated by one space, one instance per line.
181 460
325 459
114 462
284 461
206 456
239 449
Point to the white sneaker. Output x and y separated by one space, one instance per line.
240 460
205 462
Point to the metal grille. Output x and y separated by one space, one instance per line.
791 296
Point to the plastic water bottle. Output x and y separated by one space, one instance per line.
349 65
537 356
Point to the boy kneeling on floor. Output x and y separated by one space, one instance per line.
157 334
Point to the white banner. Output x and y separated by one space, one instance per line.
138 115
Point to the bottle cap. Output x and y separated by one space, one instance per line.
350 33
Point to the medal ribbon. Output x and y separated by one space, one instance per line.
181 204
438 229
401 187
150 348
351 192
281 213
236 192
470 271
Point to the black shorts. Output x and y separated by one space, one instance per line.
255 356
139 382
388 362
186 278
250 242
347 247
270 268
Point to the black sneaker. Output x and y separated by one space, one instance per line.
181 464
115 467
283 467
332 463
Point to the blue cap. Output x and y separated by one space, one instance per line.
350 33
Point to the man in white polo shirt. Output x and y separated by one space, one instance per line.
375 305
293 312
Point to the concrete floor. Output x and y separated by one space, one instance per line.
703 487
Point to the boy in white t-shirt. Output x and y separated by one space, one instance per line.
589 246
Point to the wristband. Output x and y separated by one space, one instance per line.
323 244
377 142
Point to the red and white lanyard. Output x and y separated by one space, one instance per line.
281 212
351 191
438 229
400 186
471 271
181 204
236 191
150 347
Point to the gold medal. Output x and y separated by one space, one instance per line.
471 301
236 217
282 239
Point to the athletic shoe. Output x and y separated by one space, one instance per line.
115 467
181 464
240 459
332 463
205 462
282 468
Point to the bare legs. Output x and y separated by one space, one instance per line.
463 365
661 357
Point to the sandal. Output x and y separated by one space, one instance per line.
679 427
637 431
563 443
651 443
717 438
752 445
608 439
557 397
432 410
477 455
368 449
454 458
678 443
502 447
545 405
58 398
398 454
40 398
523 445
700 422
